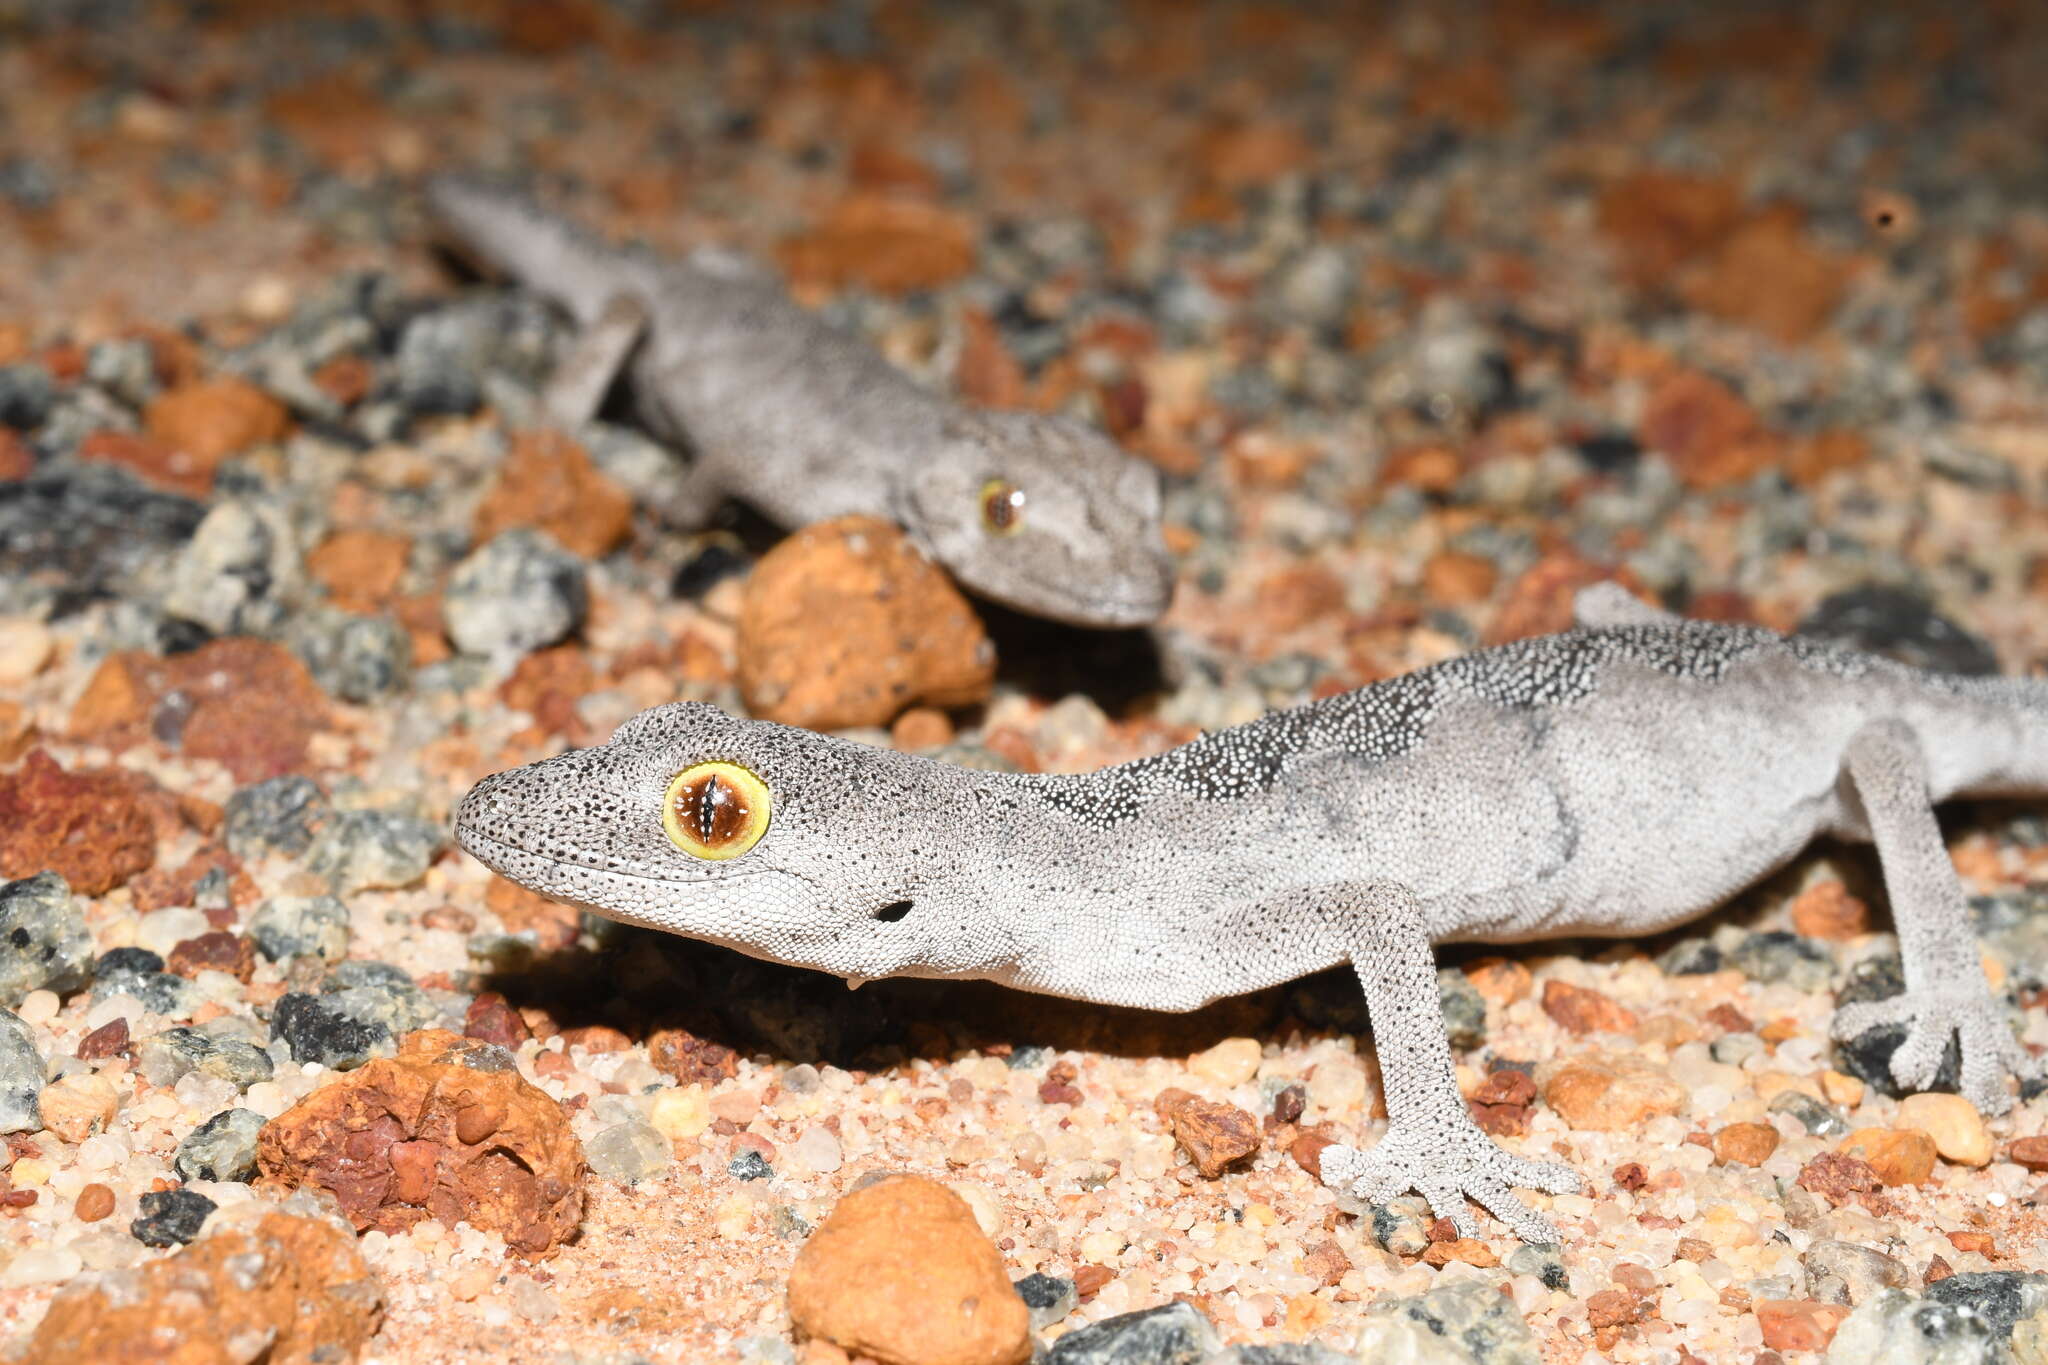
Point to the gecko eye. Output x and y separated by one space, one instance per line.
715 811
1002 506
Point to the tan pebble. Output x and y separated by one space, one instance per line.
468 1283
1954 1124
683 1112
1231 1062
1745 1144
1771 1084
1581 1009
1798 1324
1470 1250
738 1105
25 646
1841 1089
1827 910
1499 981
79 1106
1609 1092
1899 1156
95 1202
902 1273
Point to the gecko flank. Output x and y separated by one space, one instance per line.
1614 780
1041 513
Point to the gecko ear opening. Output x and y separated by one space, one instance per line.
891 913
715 811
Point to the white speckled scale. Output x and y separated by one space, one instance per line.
1613 780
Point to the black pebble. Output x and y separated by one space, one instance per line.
709 567
749 1165
171 1217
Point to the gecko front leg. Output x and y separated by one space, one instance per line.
1431 1144
578 386
1946 994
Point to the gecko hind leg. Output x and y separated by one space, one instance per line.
1946 995
1431 1144
578 386
1600 605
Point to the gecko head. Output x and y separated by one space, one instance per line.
778 842
1045 515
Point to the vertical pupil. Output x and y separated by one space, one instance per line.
721 813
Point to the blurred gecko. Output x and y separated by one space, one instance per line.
1615 780
805 422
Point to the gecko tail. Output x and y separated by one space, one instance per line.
512 235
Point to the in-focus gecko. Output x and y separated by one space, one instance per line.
1617 779
1041 513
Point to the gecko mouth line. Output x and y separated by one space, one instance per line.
483 846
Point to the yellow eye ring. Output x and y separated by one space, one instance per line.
715 811
1002 506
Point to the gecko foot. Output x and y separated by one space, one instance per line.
1447 1170
1931 1018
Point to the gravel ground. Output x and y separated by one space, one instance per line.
1430 317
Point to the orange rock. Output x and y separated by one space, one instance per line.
1296 597
1813 458
1827 910
846 623
1769 276
690 1059
2030 1152
987 374
1660 220
1307 1151
1540 601
1215 1136
892 245
1470 1250
248 704
1898 1156
1500 981
1836 1176
422 1135
1982 1243
921 727
211 419
154 461
1455 578
360 569
1799 1324
1606 1093
1712 436
553 924
1582 1010
549 483
547 684
296 1285
91 826
1745 1144
17 461
900 1272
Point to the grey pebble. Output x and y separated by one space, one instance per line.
164 1058
518 593
749 1165
1048 1297
378 993
1816 1118
1464 1008
1172 1334
280 815
222 1148
1989 1318
1469 1317
1546 1263
21 1076
44 944
2002 1298
240 572
1691 957
140 973
316 1031
628 1153
1285 1353
361 850
285 927
27 393
353 657
1777 956
95 524
1860 1272
1733 1049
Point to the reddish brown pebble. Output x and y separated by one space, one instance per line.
1326 1263
1729 1019
492 1020
248 704
19 1199
1090 1279
1307 1151
1745 1144
1501 1120
1827 910
95 1202
449 918
1058 1092
1798 1324
1611 1308
218 951
690 1059
1937 1269
2030 1152
1835 1176
1979 1242
1289 1103
108 1040
211 419
596 1038
1582 1010
1506 1085
549 483
1631 1176
89 826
